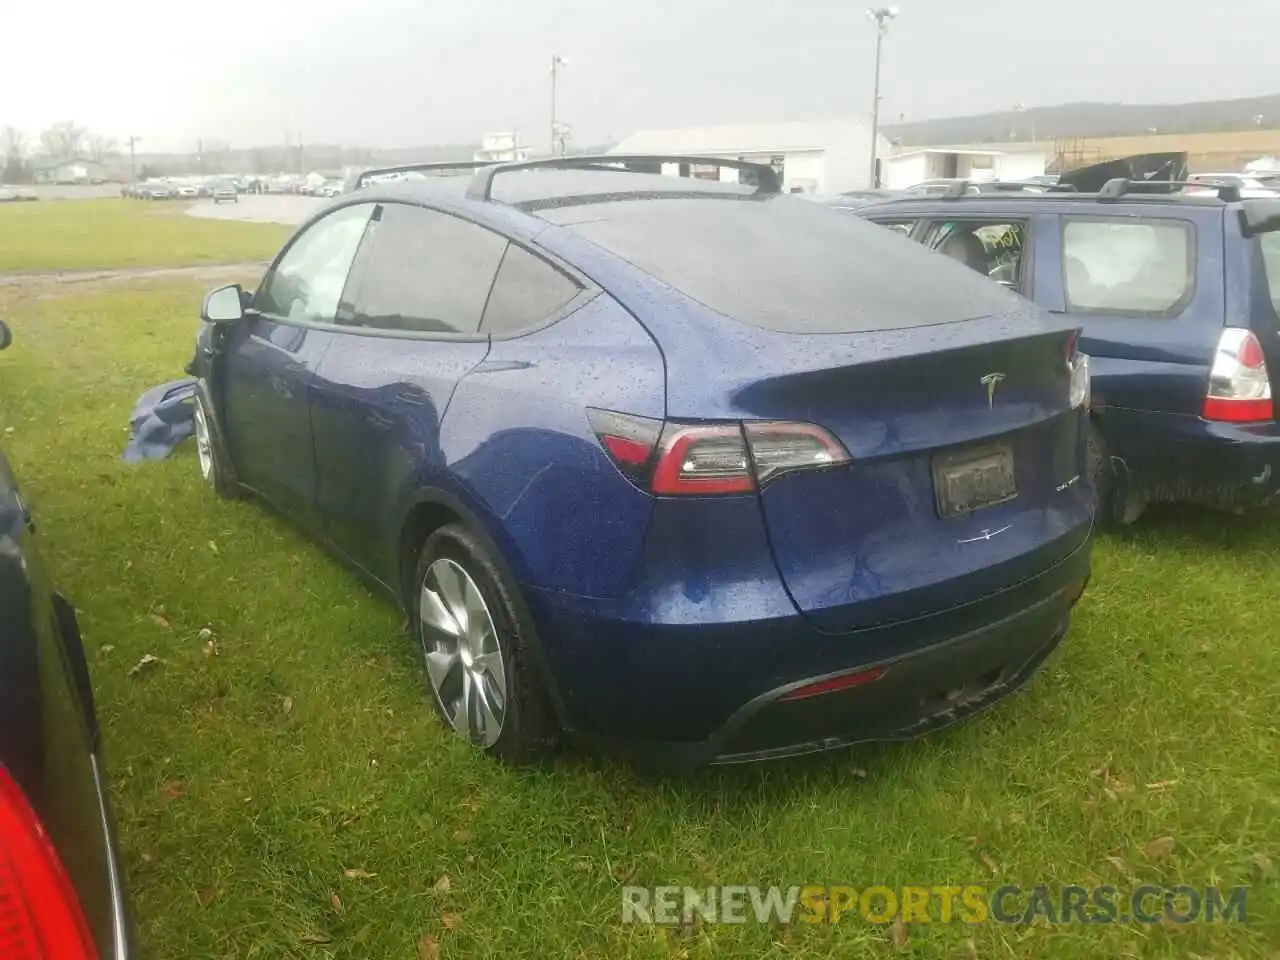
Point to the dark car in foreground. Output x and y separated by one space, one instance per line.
61 888
672 463
1177 296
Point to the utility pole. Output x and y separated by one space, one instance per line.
882 16
557 62
133 141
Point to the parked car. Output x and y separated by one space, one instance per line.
188 191
155 190
8 195
680 464
64 890
225 192
330 188
1177 297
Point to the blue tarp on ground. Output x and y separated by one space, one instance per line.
162 418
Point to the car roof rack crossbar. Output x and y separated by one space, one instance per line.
438 166
481 188
1119 187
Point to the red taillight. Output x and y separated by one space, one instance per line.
703 459
699 459
40 915
843 682
1239 383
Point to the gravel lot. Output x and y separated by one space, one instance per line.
261 208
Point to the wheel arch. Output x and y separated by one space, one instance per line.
431 508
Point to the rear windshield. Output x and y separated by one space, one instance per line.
788 264
1271 257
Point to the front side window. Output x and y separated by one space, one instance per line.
1139 267
307 282
425 271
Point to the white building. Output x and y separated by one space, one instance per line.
906 169
501 148
823 156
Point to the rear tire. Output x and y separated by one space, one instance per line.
477 647
1116 507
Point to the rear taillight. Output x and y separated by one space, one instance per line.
1239 385
40 914
698 459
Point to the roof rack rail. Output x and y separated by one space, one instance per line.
960 188
1119 187
481 188
440 166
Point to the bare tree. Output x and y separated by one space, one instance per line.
64 141
14 145
100 147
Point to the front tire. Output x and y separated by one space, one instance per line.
213 469
477 649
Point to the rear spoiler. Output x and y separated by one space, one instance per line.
1259 216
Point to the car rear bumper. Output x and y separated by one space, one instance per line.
689 694
1176 457
917 693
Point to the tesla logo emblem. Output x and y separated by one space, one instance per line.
991 381
986 534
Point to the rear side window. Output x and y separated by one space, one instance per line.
424 271
1271 258
527 291
1128 267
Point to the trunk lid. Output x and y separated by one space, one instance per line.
935 421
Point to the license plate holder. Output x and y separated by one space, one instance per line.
973 479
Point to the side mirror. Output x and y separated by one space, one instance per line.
224 305
6 336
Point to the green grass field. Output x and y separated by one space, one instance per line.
283 789
107 234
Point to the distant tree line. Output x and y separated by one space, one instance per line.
20 156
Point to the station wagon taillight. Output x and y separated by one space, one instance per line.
1239 384
1079 393
698 459
40 914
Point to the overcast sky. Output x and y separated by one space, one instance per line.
417 72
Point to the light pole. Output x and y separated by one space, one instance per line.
557 62
882 16
133 160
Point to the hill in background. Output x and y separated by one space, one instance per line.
1094 120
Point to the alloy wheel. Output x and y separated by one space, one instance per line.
204 443
463 657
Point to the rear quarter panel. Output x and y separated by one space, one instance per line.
517 441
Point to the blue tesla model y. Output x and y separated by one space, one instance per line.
686 465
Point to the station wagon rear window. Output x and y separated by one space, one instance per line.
1130 267
787 264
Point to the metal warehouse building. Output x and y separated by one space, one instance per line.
823 156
